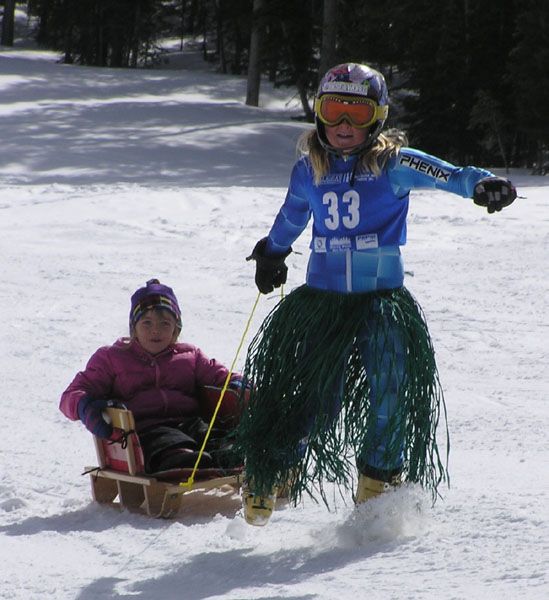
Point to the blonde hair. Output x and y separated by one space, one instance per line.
373 160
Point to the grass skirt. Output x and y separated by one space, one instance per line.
305 350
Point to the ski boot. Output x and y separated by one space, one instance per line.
257 509
283 490
373 482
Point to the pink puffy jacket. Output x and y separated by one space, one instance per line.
154 388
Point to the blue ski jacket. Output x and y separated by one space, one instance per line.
359 220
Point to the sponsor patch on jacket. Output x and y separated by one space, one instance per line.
338 244
341 244
368 240
319 244
423 166
333 178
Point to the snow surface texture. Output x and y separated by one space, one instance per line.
108 178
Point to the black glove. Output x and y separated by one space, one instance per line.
494 192
270 271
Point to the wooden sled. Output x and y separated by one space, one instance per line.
120 478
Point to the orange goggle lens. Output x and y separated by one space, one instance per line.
360 112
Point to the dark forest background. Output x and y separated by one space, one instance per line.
468 78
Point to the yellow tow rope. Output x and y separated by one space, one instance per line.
190 481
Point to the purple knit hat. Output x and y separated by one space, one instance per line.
153 295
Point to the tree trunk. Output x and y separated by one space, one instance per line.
182 25
136 38
203 24
302 91
68 58
220 33
8 23
501 145
328 52
254 59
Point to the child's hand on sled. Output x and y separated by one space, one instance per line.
239 384
90 412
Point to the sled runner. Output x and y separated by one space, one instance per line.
121 480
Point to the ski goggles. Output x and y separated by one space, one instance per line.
359 111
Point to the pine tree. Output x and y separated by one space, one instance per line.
115 33
529 80
8 23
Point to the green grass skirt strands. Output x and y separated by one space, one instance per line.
289 431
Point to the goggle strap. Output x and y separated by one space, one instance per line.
382 111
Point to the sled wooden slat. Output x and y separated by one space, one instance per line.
120 478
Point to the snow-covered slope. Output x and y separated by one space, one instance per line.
108 178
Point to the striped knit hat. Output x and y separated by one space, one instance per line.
153 295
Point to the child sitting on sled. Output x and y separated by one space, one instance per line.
159 380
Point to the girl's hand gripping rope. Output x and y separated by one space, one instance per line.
270 271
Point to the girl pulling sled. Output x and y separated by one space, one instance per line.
342 371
